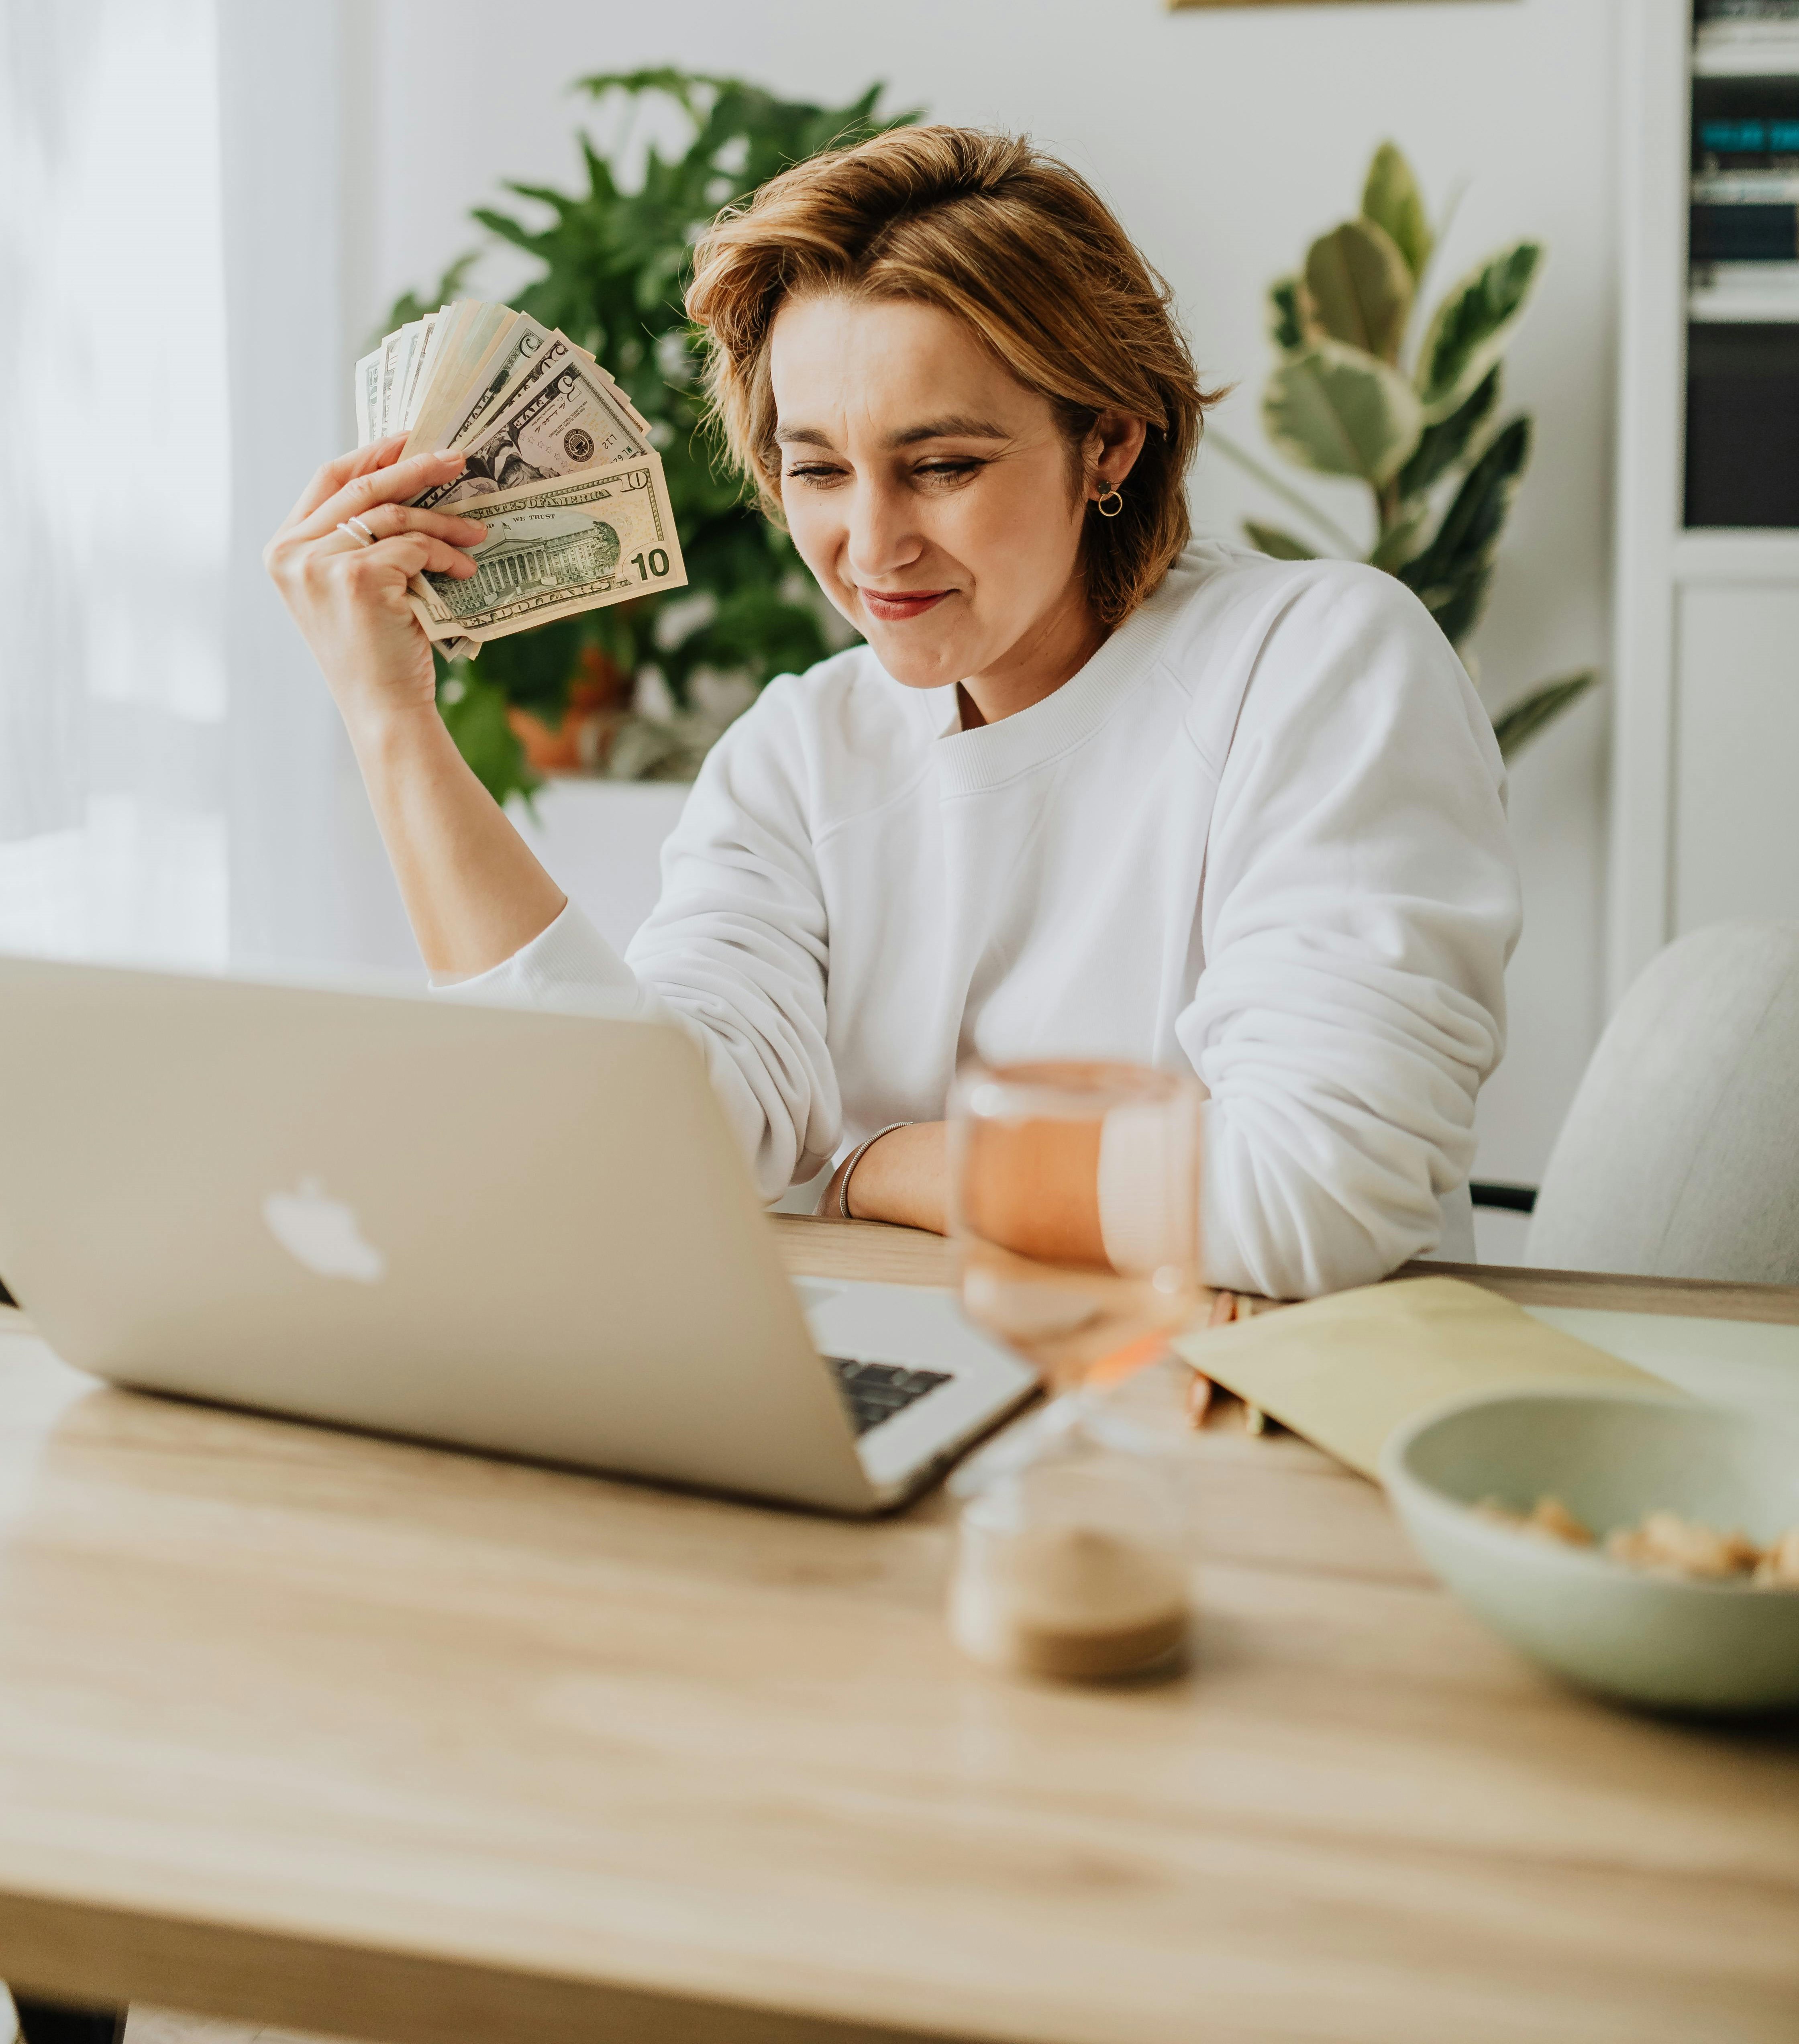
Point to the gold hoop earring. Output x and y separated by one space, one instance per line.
1113 496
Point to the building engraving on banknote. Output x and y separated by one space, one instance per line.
527 552
598 538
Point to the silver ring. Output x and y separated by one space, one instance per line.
358 531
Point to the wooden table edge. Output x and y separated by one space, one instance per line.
909 1255
94 1955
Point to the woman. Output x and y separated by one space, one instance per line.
1088 788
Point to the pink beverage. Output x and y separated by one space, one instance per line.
1074 1194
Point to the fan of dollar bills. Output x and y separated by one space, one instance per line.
559 470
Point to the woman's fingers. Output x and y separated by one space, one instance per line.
385 522
334 475
389 484
1199 1399
419 553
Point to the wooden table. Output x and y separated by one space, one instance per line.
356 1736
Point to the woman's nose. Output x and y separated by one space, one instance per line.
883 534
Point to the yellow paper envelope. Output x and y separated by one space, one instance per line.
1345 1370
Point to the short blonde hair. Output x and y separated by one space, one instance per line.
1005 238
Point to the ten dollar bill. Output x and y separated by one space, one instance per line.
554 548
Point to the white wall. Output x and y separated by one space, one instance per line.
1225 140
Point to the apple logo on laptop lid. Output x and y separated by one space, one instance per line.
324 1234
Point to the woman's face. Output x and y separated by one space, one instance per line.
931 493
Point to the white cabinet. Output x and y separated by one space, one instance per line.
1706 753
1735 791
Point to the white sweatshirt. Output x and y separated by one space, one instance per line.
1260 836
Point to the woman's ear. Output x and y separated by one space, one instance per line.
1113 442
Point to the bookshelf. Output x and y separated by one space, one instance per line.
1705 783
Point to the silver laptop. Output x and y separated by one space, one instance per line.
513 1230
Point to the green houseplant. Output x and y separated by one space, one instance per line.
1355 394
615 260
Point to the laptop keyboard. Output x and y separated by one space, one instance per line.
875 1391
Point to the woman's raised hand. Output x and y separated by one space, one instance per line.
349 598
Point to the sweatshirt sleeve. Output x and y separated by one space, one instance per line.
736 948
735 951
1359 904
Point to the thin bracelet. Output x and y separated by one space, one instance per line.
854 1158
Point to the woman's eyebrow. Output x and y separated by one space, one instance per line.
956 428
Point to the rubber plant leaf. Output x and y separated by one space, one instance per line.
1451 574
1400 541
1444 445
1270 539
1359 288
1470 329
1287 321
1340 412
1391 199
1530 714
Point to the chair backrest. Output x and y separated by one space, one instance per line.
1680 1156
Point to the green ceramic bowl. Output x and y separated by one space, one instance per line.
1610 1456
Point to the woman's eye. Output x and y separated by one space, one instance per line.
939 471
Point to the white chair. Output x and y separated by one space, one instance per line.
1680 1155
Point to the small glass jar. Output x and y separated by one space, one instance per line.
1074 1556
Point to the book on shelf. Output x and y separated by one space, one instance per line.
1778 187
1745 234
1743 44
1717 14
1744 293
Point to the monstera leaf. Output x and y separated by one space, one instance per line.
1342 412
1451 574
1358 288
1391 199
1286 322
1279 546
1471 328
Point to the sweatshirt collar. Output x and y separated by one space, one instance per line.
969 761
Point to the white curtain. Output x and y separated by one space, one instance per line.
114 522
183 240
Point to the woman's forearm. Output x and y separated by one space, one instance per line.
903 1177
472 890
344 559
1038 1196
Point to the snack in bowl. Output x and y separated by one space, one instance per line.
1664 1472
1663 1541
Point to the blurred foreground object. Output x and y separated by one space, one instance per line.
1072 1558
1075 1203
